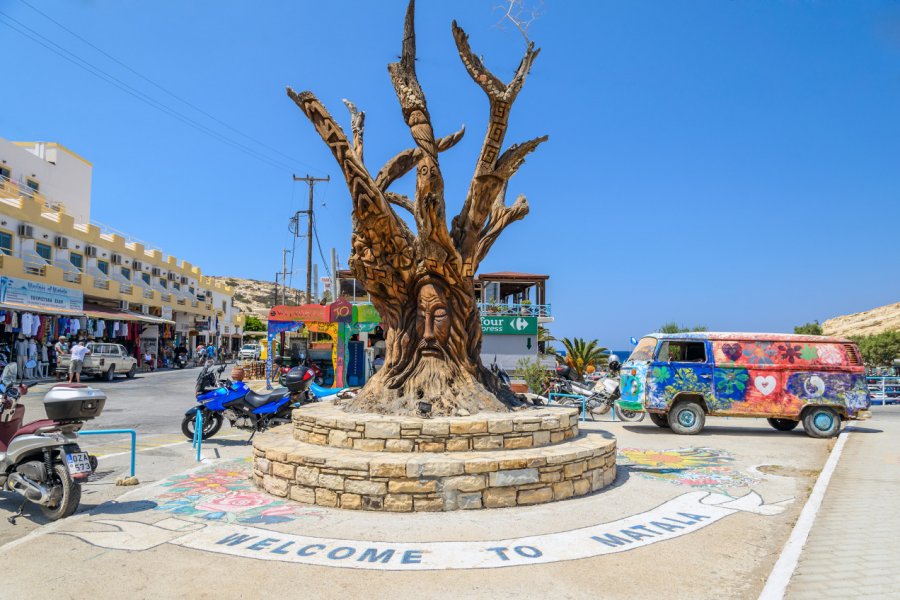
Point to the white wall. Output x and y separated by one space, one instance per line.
67 181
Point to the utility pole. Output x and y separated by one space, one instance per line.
309 230
275 298
284 253
335 284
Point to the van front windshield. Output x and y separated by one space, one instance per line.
644 350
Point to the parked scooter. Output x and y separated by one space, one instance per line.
220 399
42 460
599 397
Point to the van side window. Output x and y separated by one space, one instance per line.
682 352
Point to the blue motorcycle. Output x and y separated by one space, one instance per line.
219 399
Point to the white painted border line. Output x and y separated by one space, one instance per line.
780 577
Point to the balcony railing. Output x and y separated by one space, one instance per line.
148 294
166 297
524 310
181 302
101 284
14 189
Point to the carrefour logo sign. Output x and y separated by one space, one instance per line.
509 325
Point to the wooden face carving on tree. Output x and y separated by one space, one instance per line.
422 284
432 321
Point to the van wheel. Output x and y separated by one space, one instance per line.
659 420
821 422
687 418
783 424
111 373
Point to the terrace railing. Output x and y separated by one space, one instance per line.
523 310
884 390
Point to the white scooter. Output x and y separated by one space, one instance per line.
42 460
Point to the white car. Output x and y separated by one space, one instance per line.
250 352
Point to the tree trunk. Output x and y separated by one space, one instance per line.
433 355
423 285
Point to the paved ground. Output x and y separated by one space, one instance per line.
854 546
730 558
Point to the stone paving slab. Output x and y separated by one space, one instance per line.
853 549
728 559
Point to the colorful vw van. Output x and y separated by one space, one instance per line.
680 379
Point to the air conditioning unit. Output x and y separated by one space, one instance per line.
26 231
137 265
184 280
155 271
116 259
61 242
90 251
172 276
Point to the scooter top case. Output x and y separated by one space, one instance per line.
73 402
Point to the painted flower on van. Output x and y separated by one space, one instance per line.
759 353
731 382
809 352
830 354
789 352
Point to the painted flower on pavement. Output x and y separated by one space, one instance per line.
226 493
235 502
694 467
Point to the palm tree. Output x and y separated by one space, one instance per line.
581 353
544 338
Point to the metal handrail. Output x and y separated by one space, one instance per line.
883 388
132 432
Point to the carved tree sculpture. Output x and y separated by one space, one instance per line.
423 285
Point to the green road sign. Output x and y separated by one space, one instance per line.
497 325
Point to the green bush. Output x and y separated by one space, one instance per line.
534 374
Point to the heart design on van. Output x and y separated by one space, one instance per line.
732 351
765 385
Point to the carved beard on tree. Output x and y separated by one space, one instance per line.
423 285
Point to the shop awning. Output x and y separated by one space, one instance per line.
40 309
99 312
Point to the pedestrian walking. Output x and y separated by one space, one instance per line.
60 347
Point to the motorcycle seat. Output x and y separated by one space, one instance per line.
320 392
8 428
8 434
256 400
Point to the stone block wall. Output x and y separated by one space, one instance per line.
327 425
383 481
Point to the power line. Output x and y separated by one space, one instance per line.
114 81
158 86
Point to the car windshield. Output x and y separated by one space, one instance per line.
249 347
644 350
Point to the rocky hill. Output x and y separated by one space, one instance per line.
877 320
257 297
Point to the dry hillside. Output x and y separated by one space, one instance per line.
256 297
877 320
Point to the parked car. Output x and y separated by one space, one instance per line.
680 379
105 360
250 352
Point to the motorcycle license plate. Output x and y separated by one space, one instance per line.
78 463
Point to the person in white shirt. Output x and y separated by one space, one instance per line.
79 351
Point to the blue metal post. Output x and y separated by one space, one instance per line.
132 432
198 432
577 397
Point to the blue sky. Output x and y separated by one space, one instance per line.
733 164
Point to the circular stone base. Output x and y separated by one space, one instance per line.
325 424
405 482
